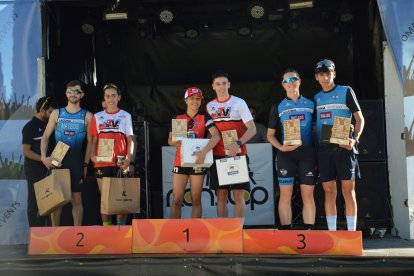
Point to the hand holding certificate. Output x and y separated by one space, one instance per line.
291 132
229 138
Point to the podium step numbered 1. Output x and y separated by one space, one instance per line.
190 236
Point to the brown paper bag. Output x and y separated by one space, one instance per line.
53 191
120 196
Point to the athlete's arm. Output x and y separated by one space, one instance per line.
88 120
47 161
215 138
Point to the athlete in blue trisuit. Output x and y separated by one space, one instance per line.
70 125
337 162
294 160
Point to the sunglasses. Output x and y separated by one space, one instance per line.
290 79
44 103
110 85
191 124
325 63
75 91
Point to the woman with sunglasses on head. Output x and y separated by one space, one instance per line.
198 126
294 160
112 123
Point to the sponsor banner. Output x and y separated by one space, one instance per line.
14 227
259 200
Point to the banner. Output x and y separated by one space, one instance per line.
20 46
259 200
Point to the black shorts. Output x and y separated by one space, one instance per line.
214 182
76 177
338 164
189 170
110 171
298 163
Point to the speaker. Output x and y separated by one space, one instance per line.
372 142
373 196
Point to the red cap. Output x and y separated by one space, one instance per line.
193 91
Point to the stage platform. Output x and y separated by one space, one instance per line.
385 256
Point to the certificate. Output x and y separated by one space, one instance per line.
105 150
59 153
291 132
340 131
179 129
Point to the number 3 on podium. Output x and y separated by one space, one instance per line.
302 239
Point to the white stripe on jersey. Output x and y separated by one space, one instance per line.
332 106
299 109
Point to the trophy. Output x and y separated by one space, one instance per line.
105 150
340 131
229 137
179 129
59 153
291 132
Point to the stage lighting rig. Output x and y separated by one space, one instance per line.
114 13
257 10
166 15
300 4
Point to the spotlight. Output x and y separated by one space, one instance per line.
166 16
244 31
256 10
191 33
300 4
114 13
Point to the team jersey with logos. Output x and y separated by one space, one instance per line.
340 101
71 130
117 126
288 109
202 122
229 114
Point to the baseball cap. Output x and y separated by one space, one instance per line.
193 91
324 66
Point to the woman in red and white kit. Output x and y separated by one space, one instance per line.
112 123
201 125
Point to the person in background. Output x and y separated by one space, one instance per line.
294 160
261 132
337 162
70 125
33 167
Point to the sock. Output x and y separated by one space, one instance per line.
285 227
308 226
120 223
331 221
351 222
107 223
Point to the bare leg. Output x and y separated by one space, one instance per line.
330 197
285 209
55 217
103 216
348 191
308 211
196 184
77 209
239 209
222 196
179 184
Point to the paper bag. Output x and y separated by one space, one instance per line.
120 196
53 191
232 170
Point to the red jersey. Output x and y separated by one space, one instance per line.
200 124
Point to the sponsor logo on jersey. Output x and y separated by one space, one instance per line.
297 116
221 112
69 132
326 115
335 97
309 174
283 172
110 123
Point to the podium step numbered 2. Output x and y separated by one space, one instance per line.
190 236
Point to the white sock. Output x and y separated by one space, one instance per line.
331 220
351 222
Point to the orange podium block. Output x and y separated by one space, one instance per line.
271 241
80 240
221 235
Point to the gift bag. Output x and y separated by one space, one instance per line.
53 191
120 195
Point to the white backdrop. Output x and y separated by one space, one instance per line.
259 200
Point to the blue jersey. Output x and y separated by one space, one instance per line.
288 109
71 129
340 102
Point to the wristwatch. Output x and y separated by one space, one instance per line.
238 142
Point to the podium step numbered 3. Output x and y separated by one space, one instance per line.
190 236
